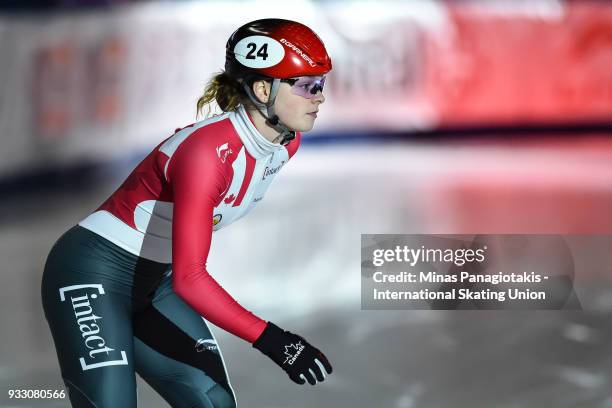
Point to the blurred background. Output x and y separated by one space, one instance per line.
452 117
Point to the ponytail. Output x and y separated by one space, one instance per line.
223 89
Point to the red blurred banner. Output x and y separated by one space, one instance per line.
530 65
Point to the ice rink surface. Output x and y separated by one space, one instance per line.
298 265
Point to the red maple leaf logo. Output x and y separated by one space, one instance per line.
229 199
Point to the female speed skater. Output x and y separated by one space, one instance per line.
127 290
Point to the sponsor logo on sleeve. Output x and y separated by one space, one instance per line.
223 151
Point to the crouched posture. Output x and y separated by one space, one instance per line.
127 290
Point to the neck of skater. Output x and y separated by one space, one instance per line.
260 124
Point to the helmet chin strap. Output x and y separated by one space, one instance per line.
285 134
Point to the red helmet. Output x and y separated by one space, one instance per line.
275 48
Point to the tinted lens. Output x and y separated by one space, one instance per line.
308 86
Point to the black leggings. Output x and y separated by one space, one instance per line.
112 314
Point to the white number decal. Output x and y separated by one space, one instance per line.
258 51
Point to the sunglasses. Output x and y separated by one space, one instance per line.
306 86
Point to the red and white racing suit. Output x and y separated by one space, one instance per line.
201 179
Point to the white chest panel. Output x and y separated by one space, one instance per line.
263 173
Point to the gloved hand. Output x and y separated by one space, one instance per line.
293 354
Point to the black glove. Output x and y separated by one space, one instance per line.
293 354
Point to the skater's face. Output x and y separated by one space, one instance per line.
297 103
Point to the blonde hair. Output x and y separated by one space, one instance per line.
223 89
